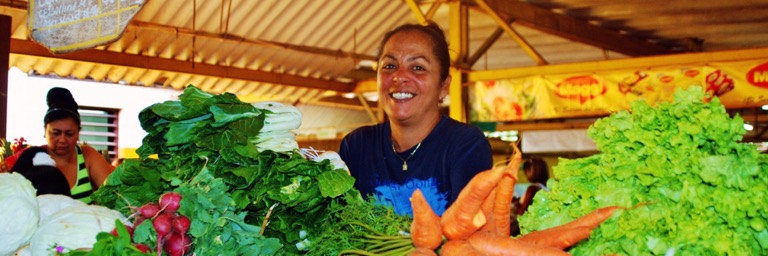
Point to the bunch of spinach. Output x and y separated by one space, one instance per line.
217 132
690 185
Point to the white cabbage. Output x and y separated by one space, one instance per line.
51 203
24 251
73 227
19 214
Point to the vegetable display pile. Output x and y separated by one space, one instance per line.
245 186
702 189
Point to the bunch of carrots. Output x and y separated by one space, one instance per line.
478 222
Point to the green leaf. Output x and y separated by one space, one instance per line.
185 132
334 183
221 140
144 233
224 114
195 99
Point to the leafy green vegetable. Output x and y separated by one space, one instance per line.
350 225
692 187
206 201
203 135
108 244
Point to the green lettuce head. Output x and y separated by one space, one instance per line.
689 185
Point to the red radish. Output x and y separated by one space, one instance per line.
149 210
180 224
176 244
169 202
162 224
142 247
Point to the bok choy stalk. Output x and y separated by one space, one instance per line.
279 123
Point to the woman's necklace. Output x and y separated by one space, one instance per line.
405 161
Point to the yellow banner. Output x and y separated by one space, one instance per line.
736 84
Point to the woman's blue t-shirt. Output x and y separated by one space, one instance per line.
443 164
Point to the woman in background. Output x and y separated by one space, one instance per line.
537 172
82 167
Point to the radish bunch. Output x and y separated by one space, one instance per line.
170 226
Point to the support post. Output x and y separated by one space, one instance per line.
457 41
5 57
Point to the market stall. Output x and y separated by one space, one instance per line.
241 186
668 171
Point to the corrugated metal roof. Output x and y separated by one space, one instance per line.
307 51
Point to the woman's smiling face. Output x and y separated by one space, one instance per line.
409 77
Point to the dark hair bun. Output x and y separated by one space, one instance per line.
61 98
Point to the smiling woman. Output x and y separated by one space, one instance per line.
416 147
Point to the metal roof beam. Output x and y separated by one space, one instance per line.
242 40
25 47
574 29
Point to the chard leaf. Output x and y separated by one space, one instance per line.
194 99
224 114
172 111
334 183
249 174
250 126
221 140
184 132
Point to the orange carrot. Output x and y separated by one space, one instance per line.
421 251
502 206
487 208
491 244
566 235
560 238
498 206
458 248
593 219
465 216
425 229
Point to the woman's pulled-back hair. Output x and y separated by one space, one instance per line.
536 170
436 35
61 105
